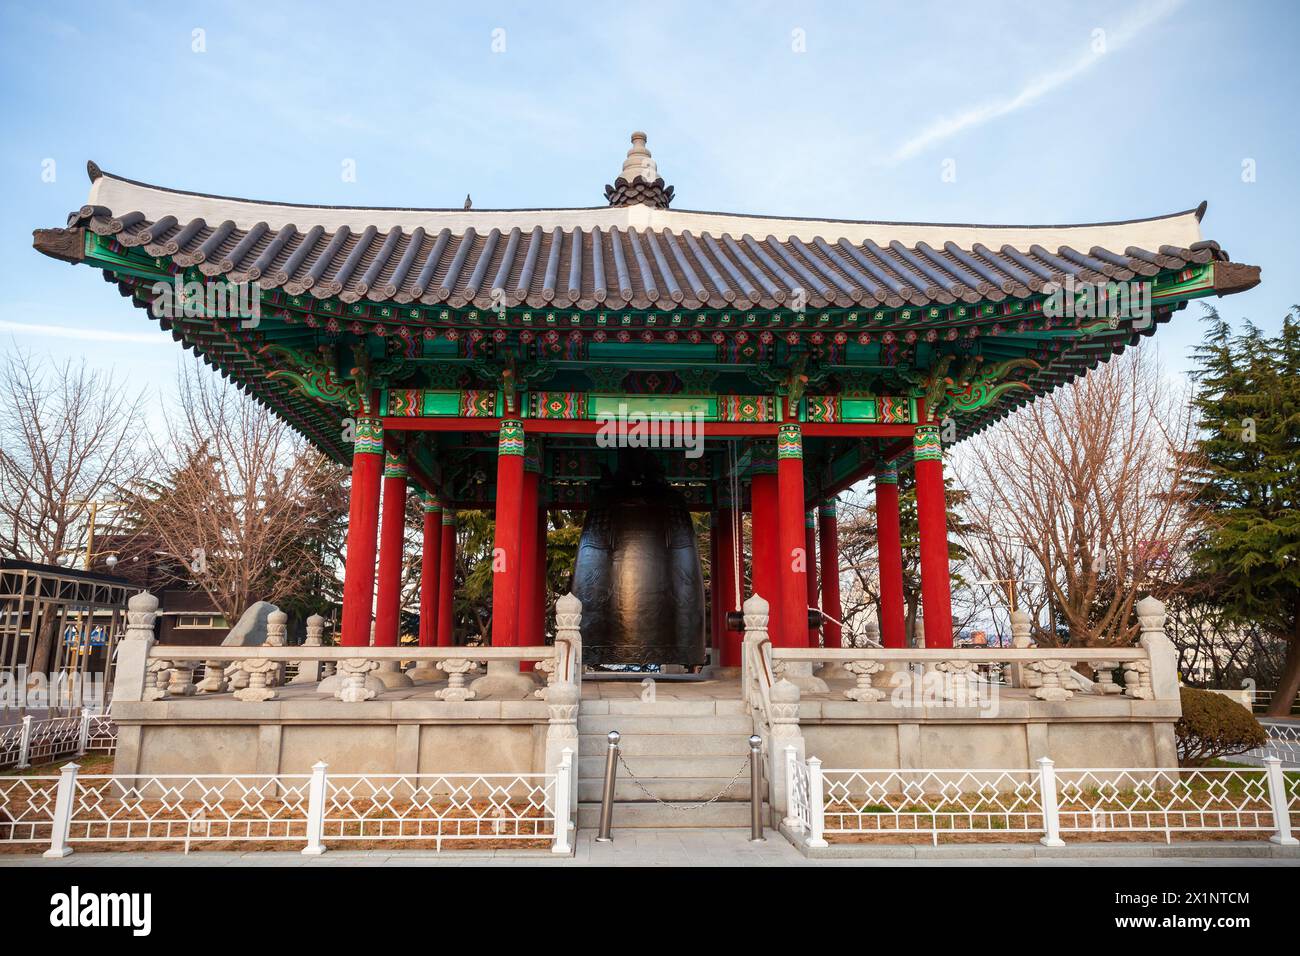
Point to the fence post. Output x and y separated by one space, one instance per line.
792 819
563 781
1047 793
316 810
83 733
63 801
816 804
1278 798
25 743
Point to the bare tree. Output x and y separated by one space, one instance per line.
241 497
69 435
1077 494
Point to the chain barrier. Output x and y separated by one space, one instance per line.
677 806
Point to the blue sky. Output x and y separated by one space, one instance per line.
832 109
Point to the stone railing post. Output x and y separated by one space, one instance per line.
180 681
455 669
316 810
310 672
1021 629
785 734
1051 810
352 688
132 678
568 628
755 611
277 635
1280 802
262 674
83 733
214 678
65 799
564 777
816 805
1051 679
864 671
25 743
1160 649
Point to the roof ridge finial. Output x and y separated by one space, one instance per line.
639 162
639 181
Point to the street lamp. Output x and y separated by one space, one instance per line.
1011 587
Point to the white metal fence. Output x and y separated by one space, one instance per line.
31 741
1047 802
308 809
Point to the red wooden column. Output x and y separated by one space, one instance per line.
363 525
430 558
529 632
392 528
506 550
724 556
932 523
763 505
792 564
830 564
810 551
447 582
889 543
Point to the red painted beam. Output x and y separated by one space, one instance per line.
545 426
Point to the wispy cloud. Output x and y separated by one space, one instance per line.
83 335
1038 87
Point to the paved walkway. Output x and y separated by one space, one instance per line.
642 848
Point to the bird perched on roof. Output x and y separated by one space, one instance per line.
469 203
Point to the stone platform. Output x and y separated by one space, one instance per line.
690 727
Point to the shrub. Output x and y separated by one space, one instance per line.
1214 726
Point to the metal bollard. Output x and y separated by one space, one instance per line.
756 790
607 803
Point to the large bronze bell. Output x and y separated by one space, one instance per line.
638 574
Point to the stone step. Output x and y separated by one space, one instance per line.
683 789
643 815
664 707
666 745
629 724
671 766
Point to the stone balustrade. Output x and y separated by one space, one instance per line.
1149 669
147 671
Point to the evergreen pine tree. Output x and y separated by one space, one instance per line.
1248 474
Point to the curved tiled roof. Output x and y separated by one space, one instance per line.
619 257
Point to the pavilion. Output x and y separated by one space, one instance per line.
476 354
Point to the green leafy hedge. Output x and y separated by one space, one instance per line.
1214 726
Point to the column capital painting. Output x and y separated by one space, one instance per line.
511 438
369 437
926 445
789 443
